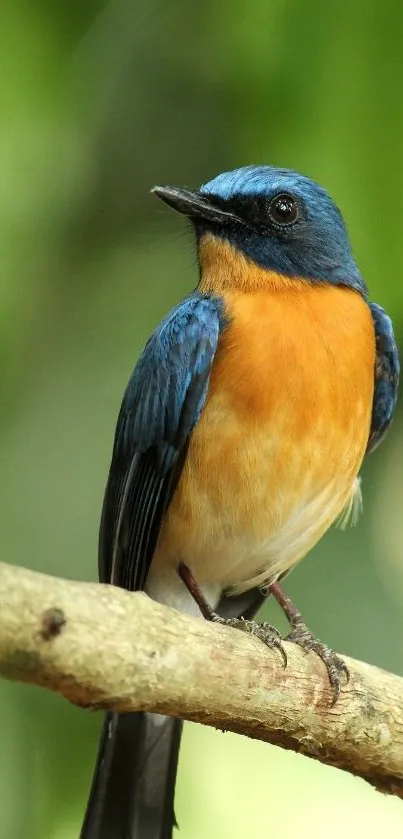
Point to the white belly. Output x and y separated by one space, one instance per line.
234 564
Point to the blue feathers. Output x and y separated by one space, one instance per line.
161 406
387 370
167 390
267 180
316 247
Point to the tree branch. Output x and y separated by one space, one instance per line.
104 648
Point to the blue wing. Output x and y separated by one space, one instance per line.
161 406
387 370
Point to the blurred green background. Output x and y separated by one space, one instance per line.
98 102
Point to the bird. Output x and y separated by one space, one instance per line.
239 442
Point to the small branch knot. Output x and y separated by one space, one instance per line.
52 623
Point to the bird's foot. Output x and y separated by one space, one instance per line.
264 631
337 670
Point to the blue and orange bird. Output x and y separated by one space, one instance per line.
239 442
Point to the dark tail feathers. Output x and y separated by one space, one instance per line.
132 793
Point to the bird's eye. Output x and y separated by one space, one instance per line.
283 209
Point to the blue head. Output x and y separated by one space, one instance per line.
280 220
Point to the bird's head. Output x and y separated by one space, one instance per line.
272 219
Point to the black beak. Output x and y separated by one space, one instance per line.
193 204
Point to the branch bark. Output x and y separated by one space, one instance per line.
104 648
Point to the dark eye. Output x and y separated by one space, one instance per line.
283 209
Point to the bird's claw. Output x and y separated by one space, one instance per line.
337 670
264 631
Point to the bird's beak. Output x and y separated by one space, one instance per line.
193 204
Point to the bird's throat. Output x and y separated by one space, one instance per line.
225 268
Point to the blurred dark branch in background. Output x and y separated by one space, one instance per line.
104 648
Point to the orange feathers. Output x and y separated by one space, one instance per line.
275 456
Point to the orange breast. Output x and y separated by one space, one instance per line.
274 457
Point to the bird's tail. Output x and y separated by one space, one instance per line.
132 793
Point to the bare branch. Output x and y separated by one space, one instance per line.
101 647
